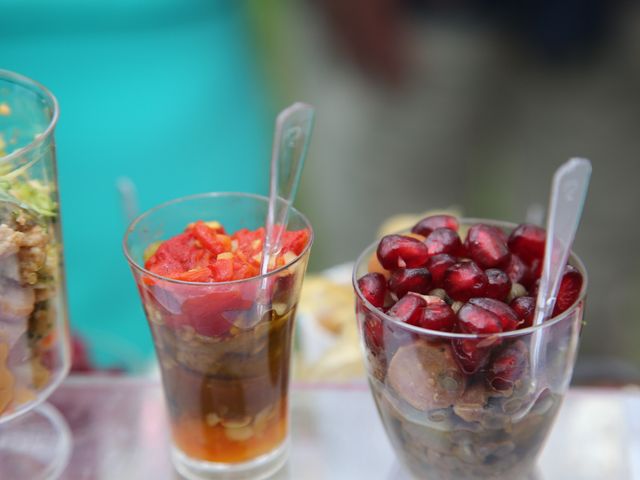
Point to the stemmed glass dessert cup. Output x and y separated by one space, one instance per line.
34 334
224 347
444 423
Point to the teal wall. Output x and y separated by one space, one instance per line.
164 92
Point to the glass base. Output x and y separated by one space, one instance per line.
398 472
36 445
260 468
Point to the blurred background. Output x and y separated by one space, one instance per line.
420 105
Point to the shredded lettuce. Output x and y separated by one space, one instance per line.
33 194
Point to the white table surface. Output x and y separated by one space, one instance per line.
120 431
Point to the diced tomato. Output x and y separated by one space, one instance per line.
177 254
178 248
245 270
246 237
222 269
214 242
205 236
205 253
199 274
163 264
295 241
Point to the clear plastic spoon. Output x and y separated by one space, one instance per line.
568 193
290 145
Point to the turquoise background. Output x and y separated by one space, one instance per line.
167 93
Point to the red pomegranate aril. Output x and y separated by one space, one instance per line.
427 225
518 271
498 284
438 316
469 356
373 333
527 241
443 240
507 367
464 280
525 308
536 268
408 309
398 251
405 280
509 320
374 288
569 290
501 233
486 246
437 265
476 319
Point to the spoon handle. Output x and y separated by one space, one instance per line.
568 193
290 145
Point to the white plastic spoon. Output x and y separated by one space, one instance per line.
290 145
568 193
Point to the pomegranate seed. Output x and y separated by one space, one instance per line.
486 246
474 318
534 288
464 280
469 356
397 251
527 241
536 268
524 308
507 367
443 240
437 265
427 225
518 271
408 309
569 290
498 284
373 333
501 233
438 316
405 280
508 318
374 288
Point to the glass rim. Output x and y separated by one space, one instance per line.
46 93
187 198
575 260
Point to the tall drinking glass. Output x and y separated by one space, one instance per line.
445 424
223 348
34 339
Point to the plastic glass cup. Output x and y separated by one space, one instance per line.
223 348
34 332
446 424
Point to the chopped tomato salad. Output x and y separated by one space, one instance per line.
205 252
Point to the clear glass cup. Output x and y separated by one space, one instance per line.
444 424
34 331
224 348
